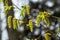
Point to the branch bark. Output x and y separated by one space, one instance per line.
13 34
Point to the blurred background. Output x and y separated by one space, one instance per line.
51 6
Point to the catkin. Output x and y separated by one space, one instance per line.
38 20
43 16
14 23
9 21
31 25
28 9
47 36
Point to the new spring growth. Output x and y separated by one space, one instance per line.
44 17
38 20
22 13
7 7
30 25
20 22
9 21
47 36
14 23
25 10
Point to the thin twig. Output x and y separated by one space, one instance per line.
56 17
16 6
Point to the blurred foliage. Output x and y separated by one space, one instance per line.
1 1
26 11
